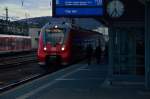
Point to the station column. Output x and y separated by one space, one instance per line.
147 45
111 37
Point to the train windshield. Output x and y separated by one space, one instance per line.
55 36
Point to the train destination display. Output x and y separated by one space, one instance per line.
78 8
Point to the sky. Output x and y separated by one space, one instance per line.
21 9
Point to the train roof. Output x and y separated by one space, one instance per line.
58 24
17 36
68 25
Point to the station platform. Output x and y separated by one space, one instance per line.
80 81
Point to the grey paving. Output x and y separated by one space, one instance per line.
81 81
89 83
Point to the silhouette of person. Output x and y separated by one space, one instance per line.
98 53
89 53
106 53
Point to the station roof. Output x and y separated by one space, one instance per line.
142 1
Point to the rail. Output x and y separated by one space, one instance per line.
10 62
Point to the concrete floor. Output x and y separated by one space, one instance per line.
80 81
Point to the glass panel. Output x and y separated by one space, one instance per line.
128 52
55 36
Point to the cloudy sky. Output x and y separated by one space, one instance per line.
26 8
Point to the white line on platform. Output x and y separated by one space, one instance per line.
33 92
66 79
85 69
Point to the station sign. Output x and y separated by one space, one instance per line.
78 8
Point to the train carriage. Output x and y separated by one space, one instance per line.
64 43
14 43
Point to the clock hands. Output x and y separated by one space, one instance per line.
114 13
115 8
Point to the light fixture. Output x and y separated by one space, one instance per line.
56 26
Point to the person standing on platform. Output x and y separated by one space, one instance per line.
98 53
89 53
106 54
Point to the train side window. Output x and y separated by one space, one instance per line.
17 43
1 41
26 43
6 44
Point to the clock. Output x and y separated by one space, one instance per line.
115 8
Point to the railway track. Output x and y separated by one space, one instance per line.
20 82
17 66
25 79
10 62
29 78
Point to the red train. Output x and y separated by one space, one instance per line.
13 43
63 43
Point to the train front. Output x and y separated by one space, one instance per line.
54 44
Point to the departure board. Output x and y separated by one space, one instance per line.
75 8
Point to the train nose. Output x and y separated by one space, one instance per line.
53 59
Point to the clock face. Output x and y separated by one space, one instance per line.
115 8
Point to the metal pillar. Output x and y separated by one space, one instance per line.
147 45
110 52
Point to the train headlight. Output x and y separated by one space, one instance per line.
45 48
63 48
